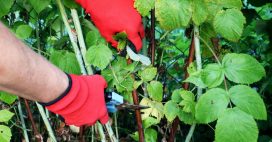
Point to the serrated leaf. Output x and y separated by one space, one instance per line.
5 133
171 110
39 5
230 24
23 31
155 110
264 11
188 101
66 61
176 95
235 125
200 12
230 4
210 105
92 38
187 118
144 6
155 90
7 98
5 115
196 79
99 56
173 14
137 84
5 7
213 75
249 101
148 73
150 121
150 135
242 68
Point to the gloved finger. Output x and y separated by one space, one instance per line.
142 31
100 79
137 41
104 119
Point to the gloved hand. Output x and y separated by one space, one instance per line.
83 102
114 16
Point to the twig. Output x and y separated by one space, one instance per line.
81 41
153 42
185 86
38 136
101 132
71 36
46 122
22 121
199 67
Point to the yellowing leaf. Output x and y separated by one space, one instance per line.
155 110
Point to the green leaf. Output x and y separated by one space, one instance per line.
23 31
137 84
235 125
173 14
249 101
211 105
121 37
66 61
242 68
196 79
5 133
176 95
155 110
155 90
230 4
150 135
149 121
187 118
5 115
188 101
39 5
5 7
148 73
213 75
229 23
264 11
144 6
7 98
92 38
200 12
171 110
71 4
99 56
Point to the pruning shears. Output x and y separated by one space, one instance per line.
116 102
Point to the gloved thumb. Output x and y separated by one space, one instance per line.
137 41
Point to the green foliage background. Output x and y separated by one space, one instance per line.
244 32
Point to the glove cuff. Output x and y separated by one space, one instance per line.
67 90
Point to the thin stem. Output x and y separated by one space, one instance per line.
197 55
101 132
38 136
190 134
153 41
81 41
209 47
116 126
199 68
71 36
46 122
110 132
22 121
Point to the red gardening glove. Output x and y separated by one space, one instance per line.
114 16
84 103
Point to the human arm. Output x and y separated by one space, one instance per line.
79 99
27 74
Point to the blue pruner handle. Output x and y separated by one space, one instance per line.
113 99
